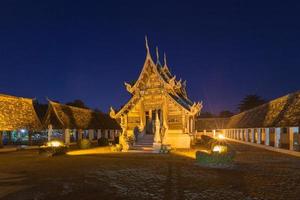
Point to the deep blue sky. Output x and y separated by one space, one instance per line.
68 50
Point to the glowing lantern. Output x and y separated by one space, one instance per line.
221 137
219 149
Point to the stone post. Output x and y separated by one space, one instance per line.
50 131
293 131
258 136
277 137
1 139
252 133
267 136
67 136
91 134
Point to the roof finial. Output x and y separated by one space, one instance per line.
165 59
157 55
147 46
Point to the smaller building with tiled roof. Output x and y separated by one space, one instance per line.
18 113
62 116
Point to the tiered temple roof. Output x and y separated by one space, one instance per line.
18 113
176 89
281 112
64 116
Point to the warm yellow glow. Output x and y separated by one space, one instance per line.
98 150
221 137
54 144
219 149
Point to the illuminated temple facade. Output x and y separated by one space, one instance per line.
159 103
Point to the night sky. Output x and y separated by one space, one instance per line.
67 50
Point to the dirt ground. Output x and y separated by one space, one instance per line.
257 174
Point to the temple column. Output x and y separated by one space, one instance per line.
80 133
106 134
9 137
252 134
142 116
293 132
267 136
98 134
50 131
157 129
258 136
277 137
30 138
214 133
1 139
67 136
91 134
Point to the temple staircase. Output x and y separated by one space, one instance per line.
144 143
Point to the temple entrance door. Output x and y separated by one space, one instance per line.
149 123
150 120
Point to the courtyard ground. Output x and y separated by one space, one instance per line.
257 174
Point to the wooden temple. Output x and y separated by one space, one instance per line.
159 104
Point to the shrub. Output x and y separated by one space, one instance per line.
117 148
205 158
85 144
103 141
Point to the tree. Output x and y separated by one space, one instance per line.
77 103
206 115
250 101
226 113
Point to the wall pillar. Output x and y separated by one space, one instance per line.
1 139
277 137
246 131
242 135
50 131
258 136
293 134
252 135
67 136
214 133
267 136
91 134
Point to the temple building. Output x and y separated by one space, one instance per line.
17 119
159 106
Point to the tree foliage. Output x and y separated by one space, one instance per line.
226 113
206 115
77 103
249 102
